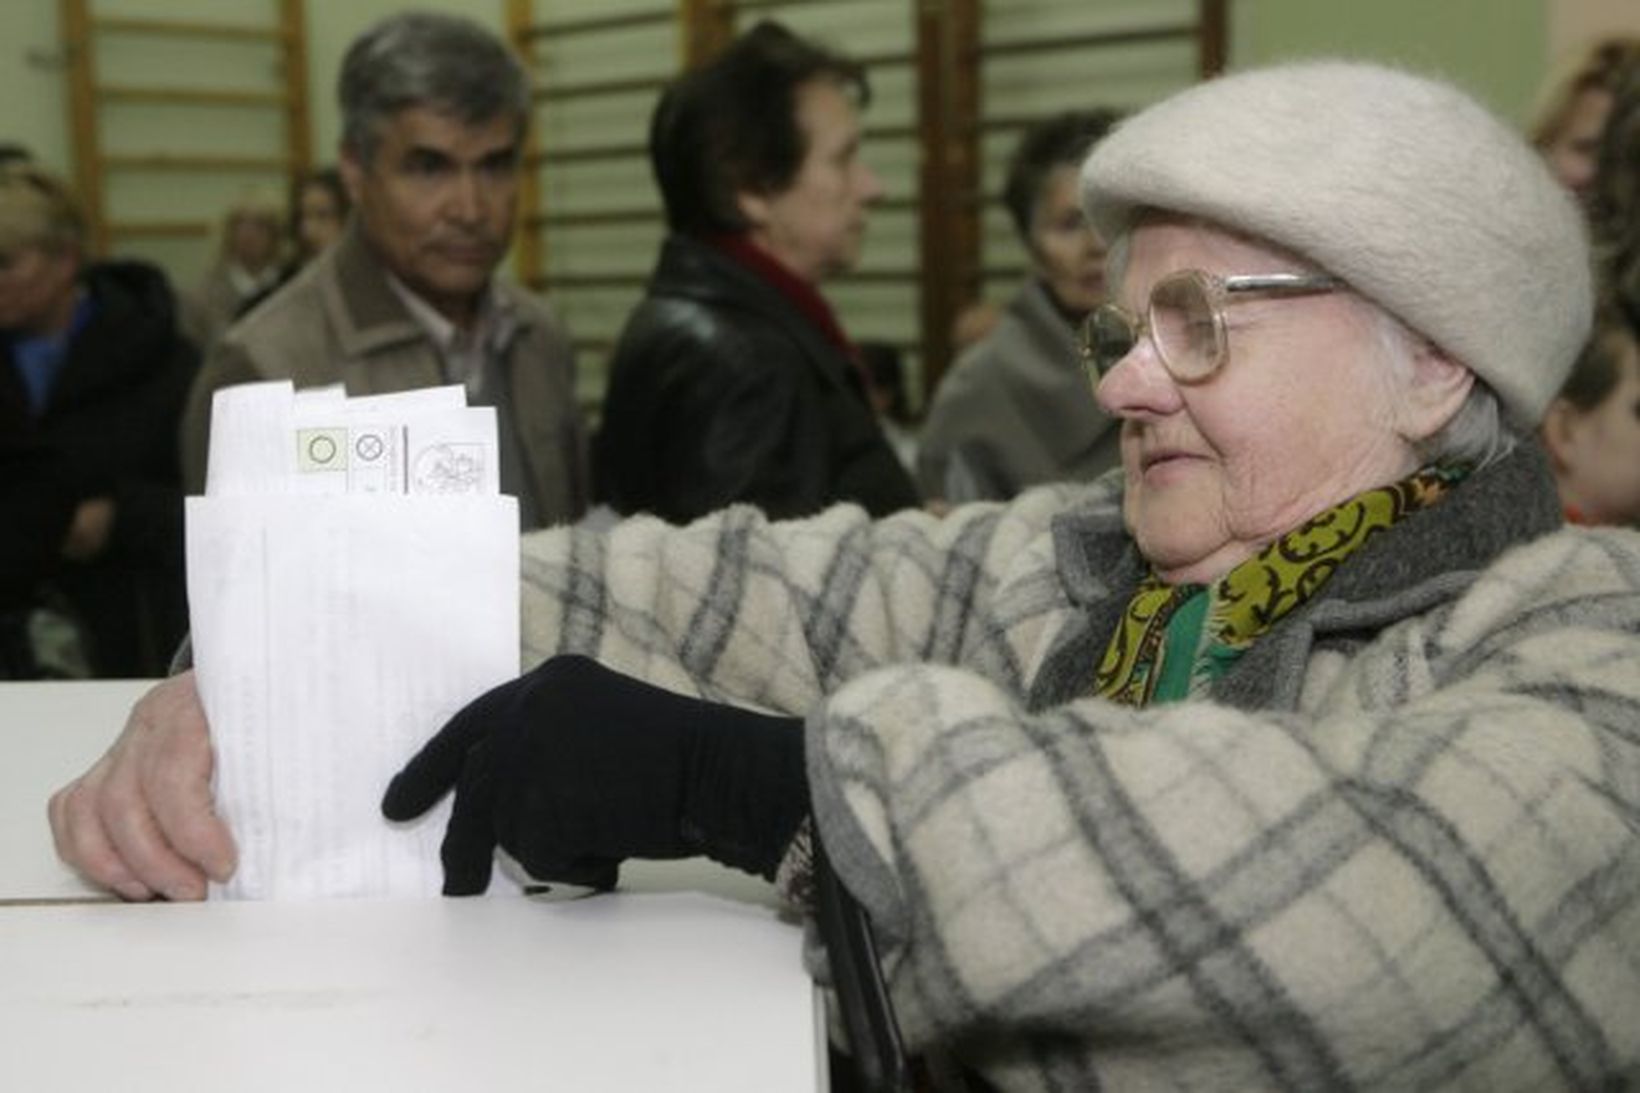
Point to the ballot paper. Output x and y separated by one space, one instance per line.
353 582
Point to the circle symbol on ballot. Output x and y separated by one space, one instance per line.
369 447
322 450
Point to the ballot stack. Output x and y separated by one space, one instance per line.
352 583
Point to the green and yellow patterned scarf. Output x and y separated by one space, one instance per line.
1175 640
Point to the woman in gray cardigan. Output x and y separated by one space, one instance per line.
1302 755
1016 410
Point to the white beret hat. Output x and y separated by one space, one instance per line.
1403 186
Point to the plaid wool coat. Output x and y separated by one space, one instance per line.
1399 848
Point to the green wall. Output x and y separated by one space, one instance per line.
33 104
1497 49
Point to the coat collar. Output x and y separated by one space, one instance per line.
367 315
692 270
1424 560
1041 317
803 295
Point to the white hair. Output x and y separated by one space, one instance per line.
1477 434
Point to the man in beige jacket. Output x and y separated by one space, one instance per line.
434 110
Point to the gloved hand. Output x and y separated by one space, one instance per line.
573 767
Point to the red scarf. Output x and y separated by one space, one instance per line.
803 295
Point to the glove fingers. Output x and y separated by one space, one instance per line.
435 769
468 850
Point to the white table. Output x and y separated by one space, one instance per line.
617 993
687 979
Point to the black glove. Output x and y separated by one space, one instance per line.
573 767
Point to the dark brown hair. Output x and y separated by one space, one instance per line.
1597 369
1063 140
730 126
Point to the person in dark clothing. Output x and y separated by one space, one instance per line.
1016 409
94 378
733 380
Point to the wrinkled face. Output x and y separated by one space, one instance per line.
1597 451
319 219
1302 416
1066 252
437 202
817 224
36 288
1574 153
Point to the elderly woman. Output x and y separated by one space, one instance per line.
1299 755
1015 410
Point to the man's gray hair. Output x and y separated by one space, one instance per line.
445 63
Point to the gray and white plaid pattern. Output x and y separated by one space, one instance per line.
1424 874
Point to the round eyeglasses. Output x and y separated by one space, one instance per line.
1185 320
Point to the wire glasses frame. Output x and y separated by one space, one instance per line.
1185 320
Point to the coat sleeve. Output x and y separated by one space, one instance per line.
778 613
732 416
38 494
1430 877
148 498
565 489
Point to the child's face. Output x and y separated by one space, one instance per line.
1600 451
1574 152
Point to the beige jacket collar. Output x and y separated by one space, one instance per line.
366 313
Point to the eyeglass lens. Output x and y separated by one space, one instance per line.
1107 337
1183 325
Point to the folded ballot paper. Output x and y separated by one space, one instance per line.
352 581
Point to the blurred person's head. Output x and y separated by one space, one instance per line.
1573 115
1592 429
42 244
318 212
1289 330
764 140
1614 199
253 232
1042 197
434 110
